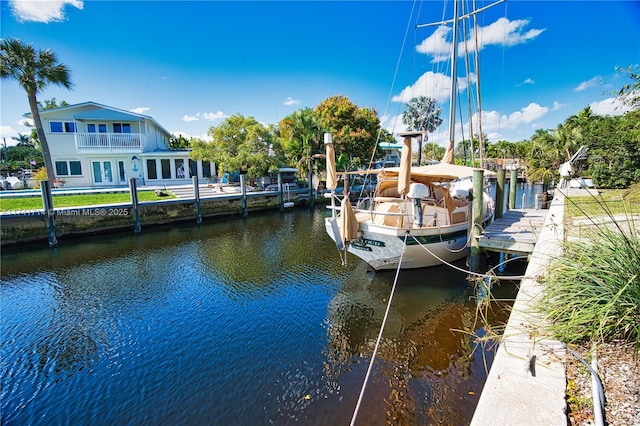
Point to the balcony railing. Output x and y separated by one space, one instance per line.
108 142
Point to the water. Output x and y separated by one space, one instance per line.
234 322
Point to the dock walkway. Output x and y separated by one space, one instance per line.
516 232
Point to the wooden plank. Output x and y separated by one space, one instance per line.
516 232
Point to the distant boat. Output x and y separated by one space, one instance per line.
418 216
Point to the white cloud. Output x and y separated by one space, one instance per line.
203 137
557 106
587 84
505 33
526 81
433 85
42 10
610 106
190 117
437 45
213 116
209 116
7 133
140 110
290 101
502 33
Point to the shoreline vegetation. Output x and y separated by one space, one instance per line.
593 304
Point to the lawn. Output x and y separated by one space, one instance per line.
12 204
614 201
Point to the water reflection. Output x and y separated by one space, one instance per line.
237 322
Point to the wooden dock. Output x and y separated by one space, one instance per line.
516 232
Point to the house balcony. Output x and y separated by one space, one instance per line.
108 142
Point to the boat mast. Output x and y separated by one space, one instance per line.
448 156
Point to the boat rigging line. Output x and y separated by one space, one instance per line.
375 349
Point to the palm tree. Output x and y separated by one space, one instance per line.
33 70
301 136
422 114
23 140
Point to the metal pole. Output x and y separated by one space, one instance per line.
502 177
135 208
196 195
49 213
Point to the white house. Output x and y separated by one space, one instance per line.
97 145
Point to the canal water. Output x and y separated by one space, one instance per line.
234 322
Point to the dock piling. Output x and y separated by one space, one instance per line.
476 213
513 183
49 213
502 176
135 205
196 196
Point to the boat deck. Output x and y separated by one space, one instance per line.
516 232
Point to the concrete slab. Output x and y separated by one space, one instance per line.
526 384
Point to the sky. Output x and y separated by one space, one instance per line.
191 64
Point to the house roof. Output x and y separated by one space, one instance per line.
103 112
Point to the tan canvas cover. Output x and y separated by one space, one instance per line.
332 177
348 221
404 174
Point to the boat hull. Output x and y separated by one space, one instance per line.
382 247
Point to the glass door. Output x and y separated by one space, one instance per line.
102 172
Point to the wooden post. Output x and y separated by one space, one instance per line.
281 195
49 213
196 196
502 176
311 200
135 208
476 225
243 190
513 182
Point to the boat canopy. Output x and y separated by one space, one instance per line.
441 172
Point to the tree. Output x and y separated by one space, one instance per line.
355 130
33 70
23 140
301 137
630 93
422 115
432 151
239 144
179 142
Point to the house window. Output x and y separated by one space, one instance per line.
60 127
165 165
193 168
56 127
206 169
102 128
152 172
121 128
179 163
75 167
68 168
91 128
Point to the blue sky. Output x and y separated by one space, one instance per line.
190 64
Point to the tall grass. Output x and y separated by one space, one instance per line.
593 290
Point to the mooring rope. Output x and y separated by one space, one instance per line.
384 321
466 271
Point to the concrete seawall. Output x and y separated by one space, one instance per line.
30 226
526 384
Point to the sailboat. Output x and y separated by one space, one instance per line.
418 216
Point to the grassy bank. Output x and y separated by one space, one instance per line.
77 200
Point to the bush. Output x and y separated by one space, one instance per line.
593 291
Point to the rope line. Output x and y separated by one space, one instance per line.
457 268
384 321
